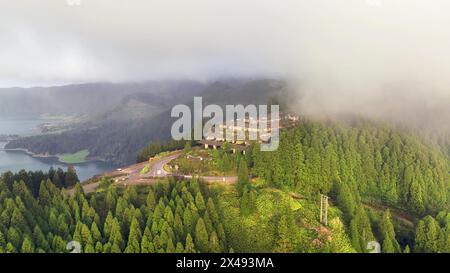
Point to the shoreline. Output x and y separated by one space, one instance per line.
49 156
28 152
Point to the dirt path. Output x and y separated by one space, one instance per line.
396 213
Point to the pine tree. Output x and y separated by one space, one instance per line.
187 221
179 248
115 248
86 236
178 226
116 239
96 235
27 246
170 247
211 208
89 248
214 245
146 245
390 244
427 236
243 179
248 201
13 237
226 164
200 202
107 226
201 236
10 248
107 248
134 238
2 239
407 249
361 230
189 248
71 177
151 200
345 200
57 180
59 245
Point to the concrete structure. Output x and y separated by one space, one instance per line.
218 144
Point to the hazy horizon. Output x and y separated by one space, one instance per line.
376 57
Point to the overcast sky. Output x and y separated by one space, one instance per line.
345 46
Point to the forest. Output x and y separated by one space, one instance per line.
363 161
181 216
274 206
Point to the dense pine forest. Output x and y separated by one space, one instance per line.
361 162
274 206
364 164
183 217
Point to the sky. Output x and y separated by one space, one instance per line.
337 53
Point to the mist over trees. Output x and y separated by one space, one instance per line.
372 162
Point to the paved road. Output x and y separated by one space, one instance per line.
223 179
157 169
131 175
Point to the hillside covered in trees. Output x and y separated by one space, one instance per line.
359 162
274 206
134 115
362 164
171 216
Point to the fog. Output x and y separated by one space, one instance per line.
375 57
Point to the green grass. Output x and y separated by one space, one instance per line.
76 158
145 170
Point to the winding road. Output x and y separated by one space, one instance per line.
131 175
157 169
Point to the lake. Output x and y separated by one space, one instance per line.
15 160
19 126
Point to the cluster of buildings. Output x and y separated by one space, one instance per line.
260 128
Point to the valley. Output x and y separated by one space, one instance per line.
384 182
141 114
254 131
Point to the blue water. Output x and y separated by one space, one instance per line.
19 126
16 161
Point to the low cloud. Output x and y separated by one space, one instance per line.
377 57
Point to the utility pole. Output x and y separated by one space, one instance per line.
324 209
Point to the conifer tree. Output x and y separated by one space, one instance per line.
189 248
214 245
361 230
27 246
243 179
427 235
71 177
201 236
390 244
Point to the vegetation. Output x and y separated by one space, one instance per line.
76 158
362 163
60 178
273 207
433 234
145 170
171 216
156 148
365 162
208 162
119 126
